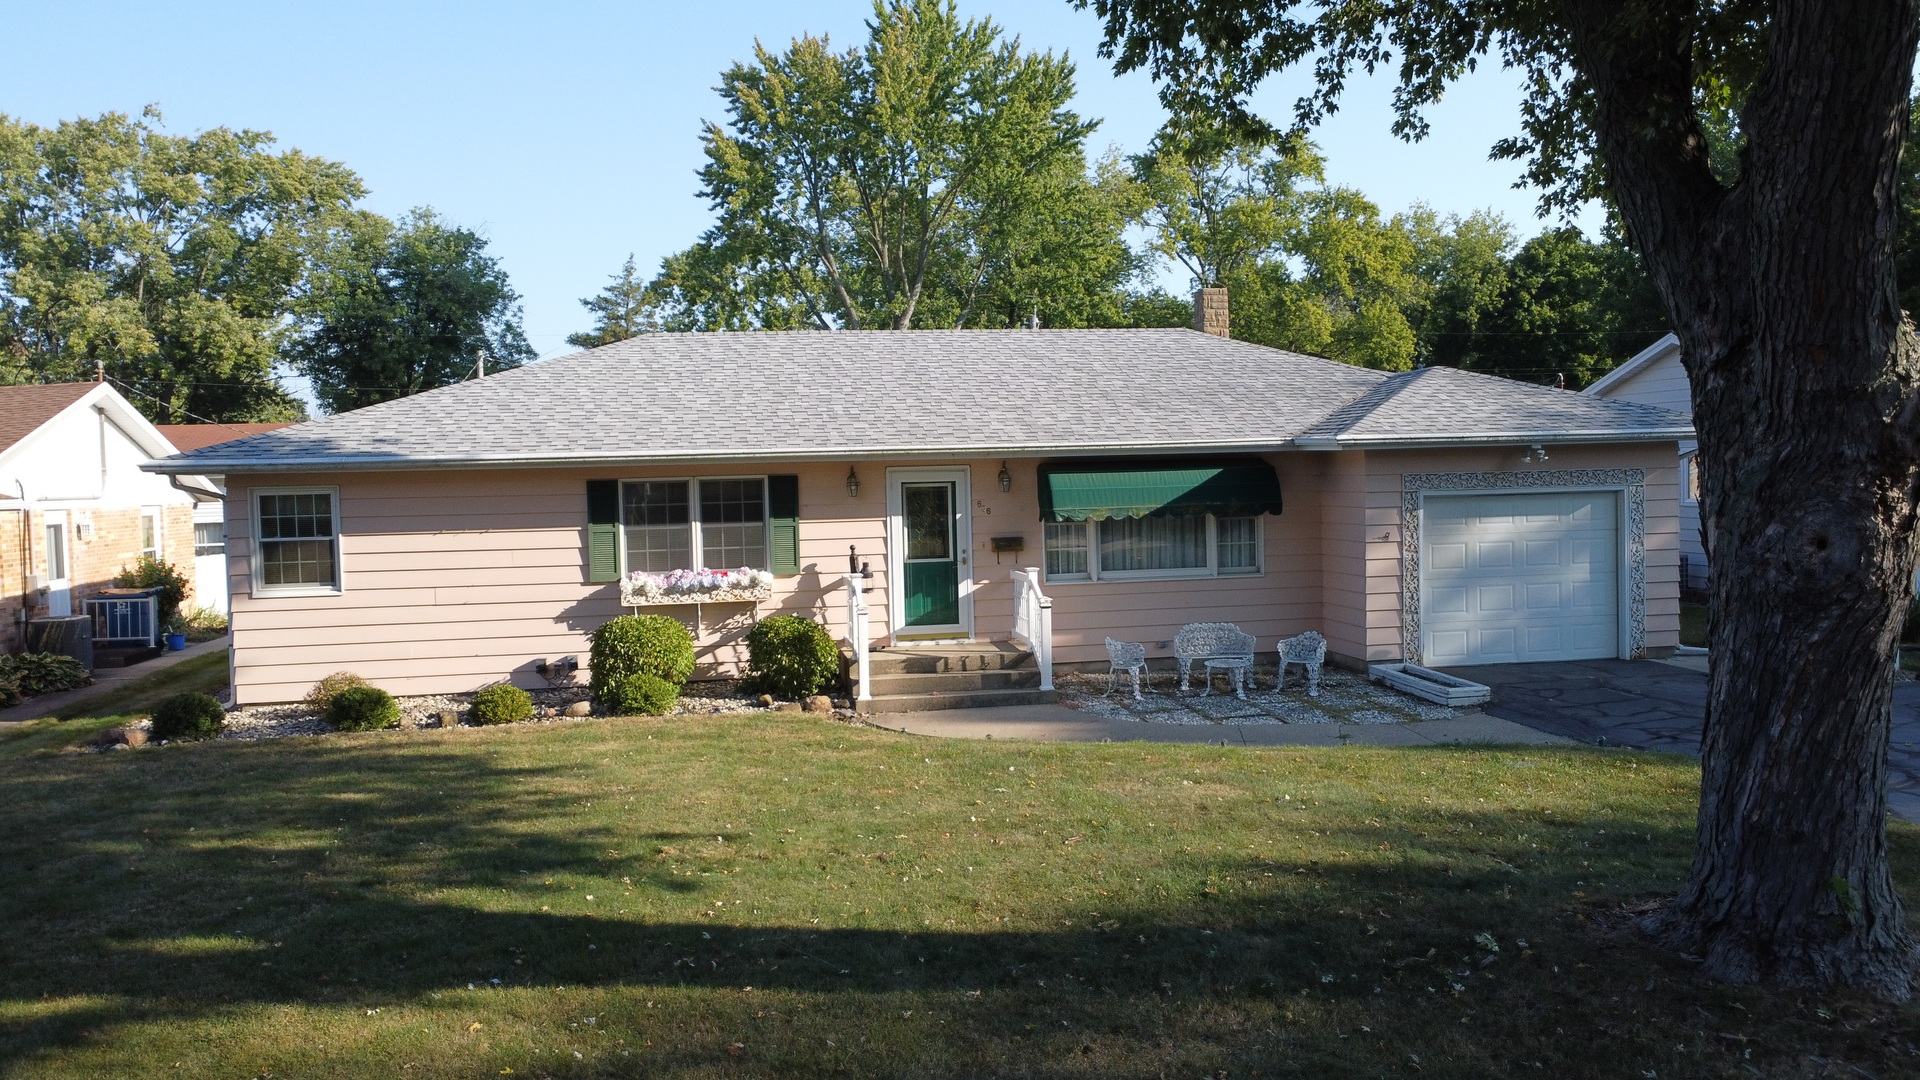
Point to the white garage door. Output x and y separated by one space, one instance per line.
1520 577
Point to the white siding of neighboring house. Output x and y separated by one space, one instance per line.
1662 381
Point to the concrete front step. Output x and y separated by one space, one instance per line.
956 699
970 675
930 659
1027 678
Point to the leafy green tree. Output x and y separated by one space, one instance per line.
1568 307
1776 266
170 262
934 177
1313 268
401 308
1464 263
619 311
1218 209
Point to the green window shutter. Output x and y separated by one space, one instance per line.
783 514
603 530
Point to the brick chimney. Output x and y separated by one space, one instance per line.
1210 312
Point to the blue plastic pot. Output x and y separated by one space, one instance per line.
176 642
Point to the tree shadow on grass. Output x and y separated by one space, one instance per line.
184 883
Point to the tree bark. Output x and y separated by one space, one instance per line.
1804 375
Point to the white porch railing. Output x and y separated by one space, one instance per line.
857 636
1033 621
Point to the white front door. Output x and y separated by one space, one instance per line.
59 572
1519 577
929 542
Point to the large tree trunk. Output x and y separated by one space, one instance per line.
1781 289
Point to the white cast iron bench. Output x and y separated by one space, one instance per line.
1218 647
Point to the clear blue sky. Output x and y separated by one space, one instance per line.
568 133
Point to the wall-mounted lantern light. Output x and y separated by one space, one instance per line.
853 483
1006 478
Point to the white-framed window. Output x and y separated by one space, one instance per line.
296 540
1133 549
714 522
1690 477
209 538
150 531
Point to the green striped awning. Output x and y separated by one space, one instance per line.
1096 490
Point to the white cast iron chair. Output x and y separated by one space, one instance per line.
1127 656
1309 650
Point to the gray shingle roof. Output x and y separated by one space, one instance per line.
1442 404
811 395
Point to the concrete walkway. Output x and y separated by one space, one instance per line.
1057 723
108 679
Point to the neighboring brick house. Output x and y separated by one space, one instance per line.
75 507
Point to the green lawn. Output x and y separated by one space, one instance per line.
1693 625
753 896
79 722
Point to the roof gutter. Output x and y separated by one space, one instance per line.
194 465
356 462
1555 438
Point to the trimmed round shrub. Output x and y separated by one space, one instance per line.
323 691
501 704
639 645
362 708
790 656
188 716
640 695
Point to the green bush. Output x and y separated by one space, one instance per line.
639 644
362 708
150 573
43 673
790 656
502 704
323 691
188 716
205 624
640 695
9 692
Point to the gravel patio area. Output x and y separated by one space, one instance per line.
1345 698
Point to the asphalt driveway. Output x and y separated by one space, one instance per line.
1651 705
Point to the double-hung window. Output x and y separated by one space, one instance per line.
296 540
711 523
1133 548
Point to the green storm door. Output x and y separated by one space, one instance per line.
932 567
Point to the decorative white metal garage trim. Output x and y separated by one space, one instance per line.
1632 481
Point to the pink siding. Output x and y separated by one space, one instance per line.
457 579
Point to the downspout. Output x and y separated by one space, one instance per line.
26 558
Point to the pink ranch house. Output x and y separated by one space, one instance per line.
993 503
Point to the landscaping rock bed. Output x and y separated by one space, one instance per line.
1345 698
425 713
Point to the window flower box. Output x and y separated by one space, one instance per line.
744 585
